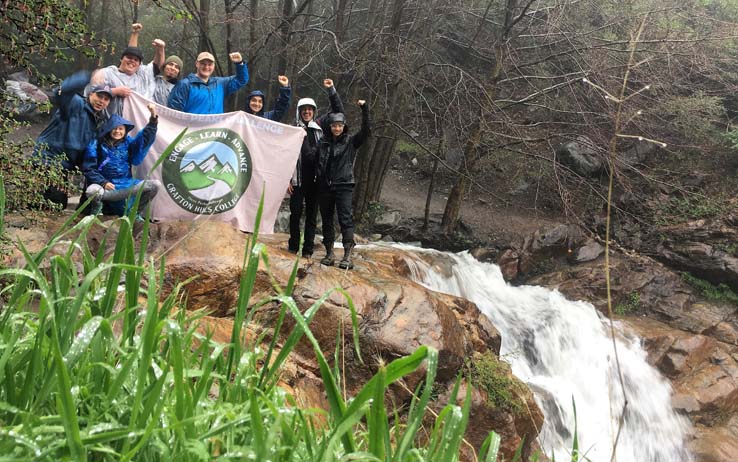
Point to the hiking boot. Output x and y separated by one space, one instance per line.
346 262
329 258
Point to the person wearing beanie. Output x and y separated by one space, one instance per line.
107 166
303 188
201 92
131 75
167 79
336 182
255 101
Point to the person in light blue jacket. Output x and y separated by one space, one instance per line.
200 93
108 161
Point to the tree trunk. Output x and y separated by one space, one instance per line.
452 212
439 152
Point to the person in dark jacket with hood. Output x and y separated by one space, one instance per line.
255 101
108 161
336 182
303 188
74 124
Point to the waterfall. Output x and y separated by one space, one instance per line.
562 349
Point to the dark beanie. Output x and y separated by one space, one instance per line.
133 51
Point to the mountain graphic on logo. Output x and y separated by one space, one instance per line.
206 173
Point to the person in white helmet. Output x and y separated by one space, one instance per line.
303 188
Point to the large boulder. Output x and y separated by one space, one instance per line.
582 156
395 315
705 248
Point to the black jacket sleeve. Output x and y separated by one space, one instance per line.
366 128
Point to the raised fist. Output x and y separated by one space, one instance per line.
361 102
158 43
235 57
327 83
136 27
152 109
283 80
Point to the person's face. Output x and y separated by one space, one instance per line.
204 68
171 70
307 113
337 129
99 101
118 132
129 64
256 103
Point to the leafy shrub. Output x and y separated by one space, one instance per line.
710 291
631 304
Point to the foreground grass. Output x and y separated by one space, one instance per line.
88 371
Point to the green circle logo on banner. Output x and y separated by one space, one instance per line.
208 171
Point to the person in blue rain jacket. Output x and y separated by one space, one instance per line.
108 161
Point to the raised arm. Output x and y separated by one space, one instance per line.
159 53
366 125
283 100
135 31
242 74
72 85
138 149
335 100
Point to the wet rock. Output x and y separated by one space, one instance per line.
484 254
388 219
589 251
703 371
509 263
583 156
705 248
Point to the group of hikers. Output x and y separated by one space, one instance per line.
87 132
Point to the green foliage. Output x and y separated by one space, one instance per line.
409 147
488 373
47 29
694 114
157 388
631 304
24 181
690 207
35 31
720 293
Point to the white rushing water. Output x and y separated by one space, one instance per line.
563 350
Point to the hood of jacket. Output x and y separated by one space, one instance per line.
114 121
248 101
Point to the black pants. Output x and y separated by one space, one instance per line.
306 194
337 199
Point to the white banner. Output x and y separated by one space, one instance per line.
221 166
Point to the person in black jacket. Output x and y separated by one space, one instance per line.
303 188
336 182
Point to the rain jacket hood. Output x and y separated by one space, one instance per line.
115 121
248 100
